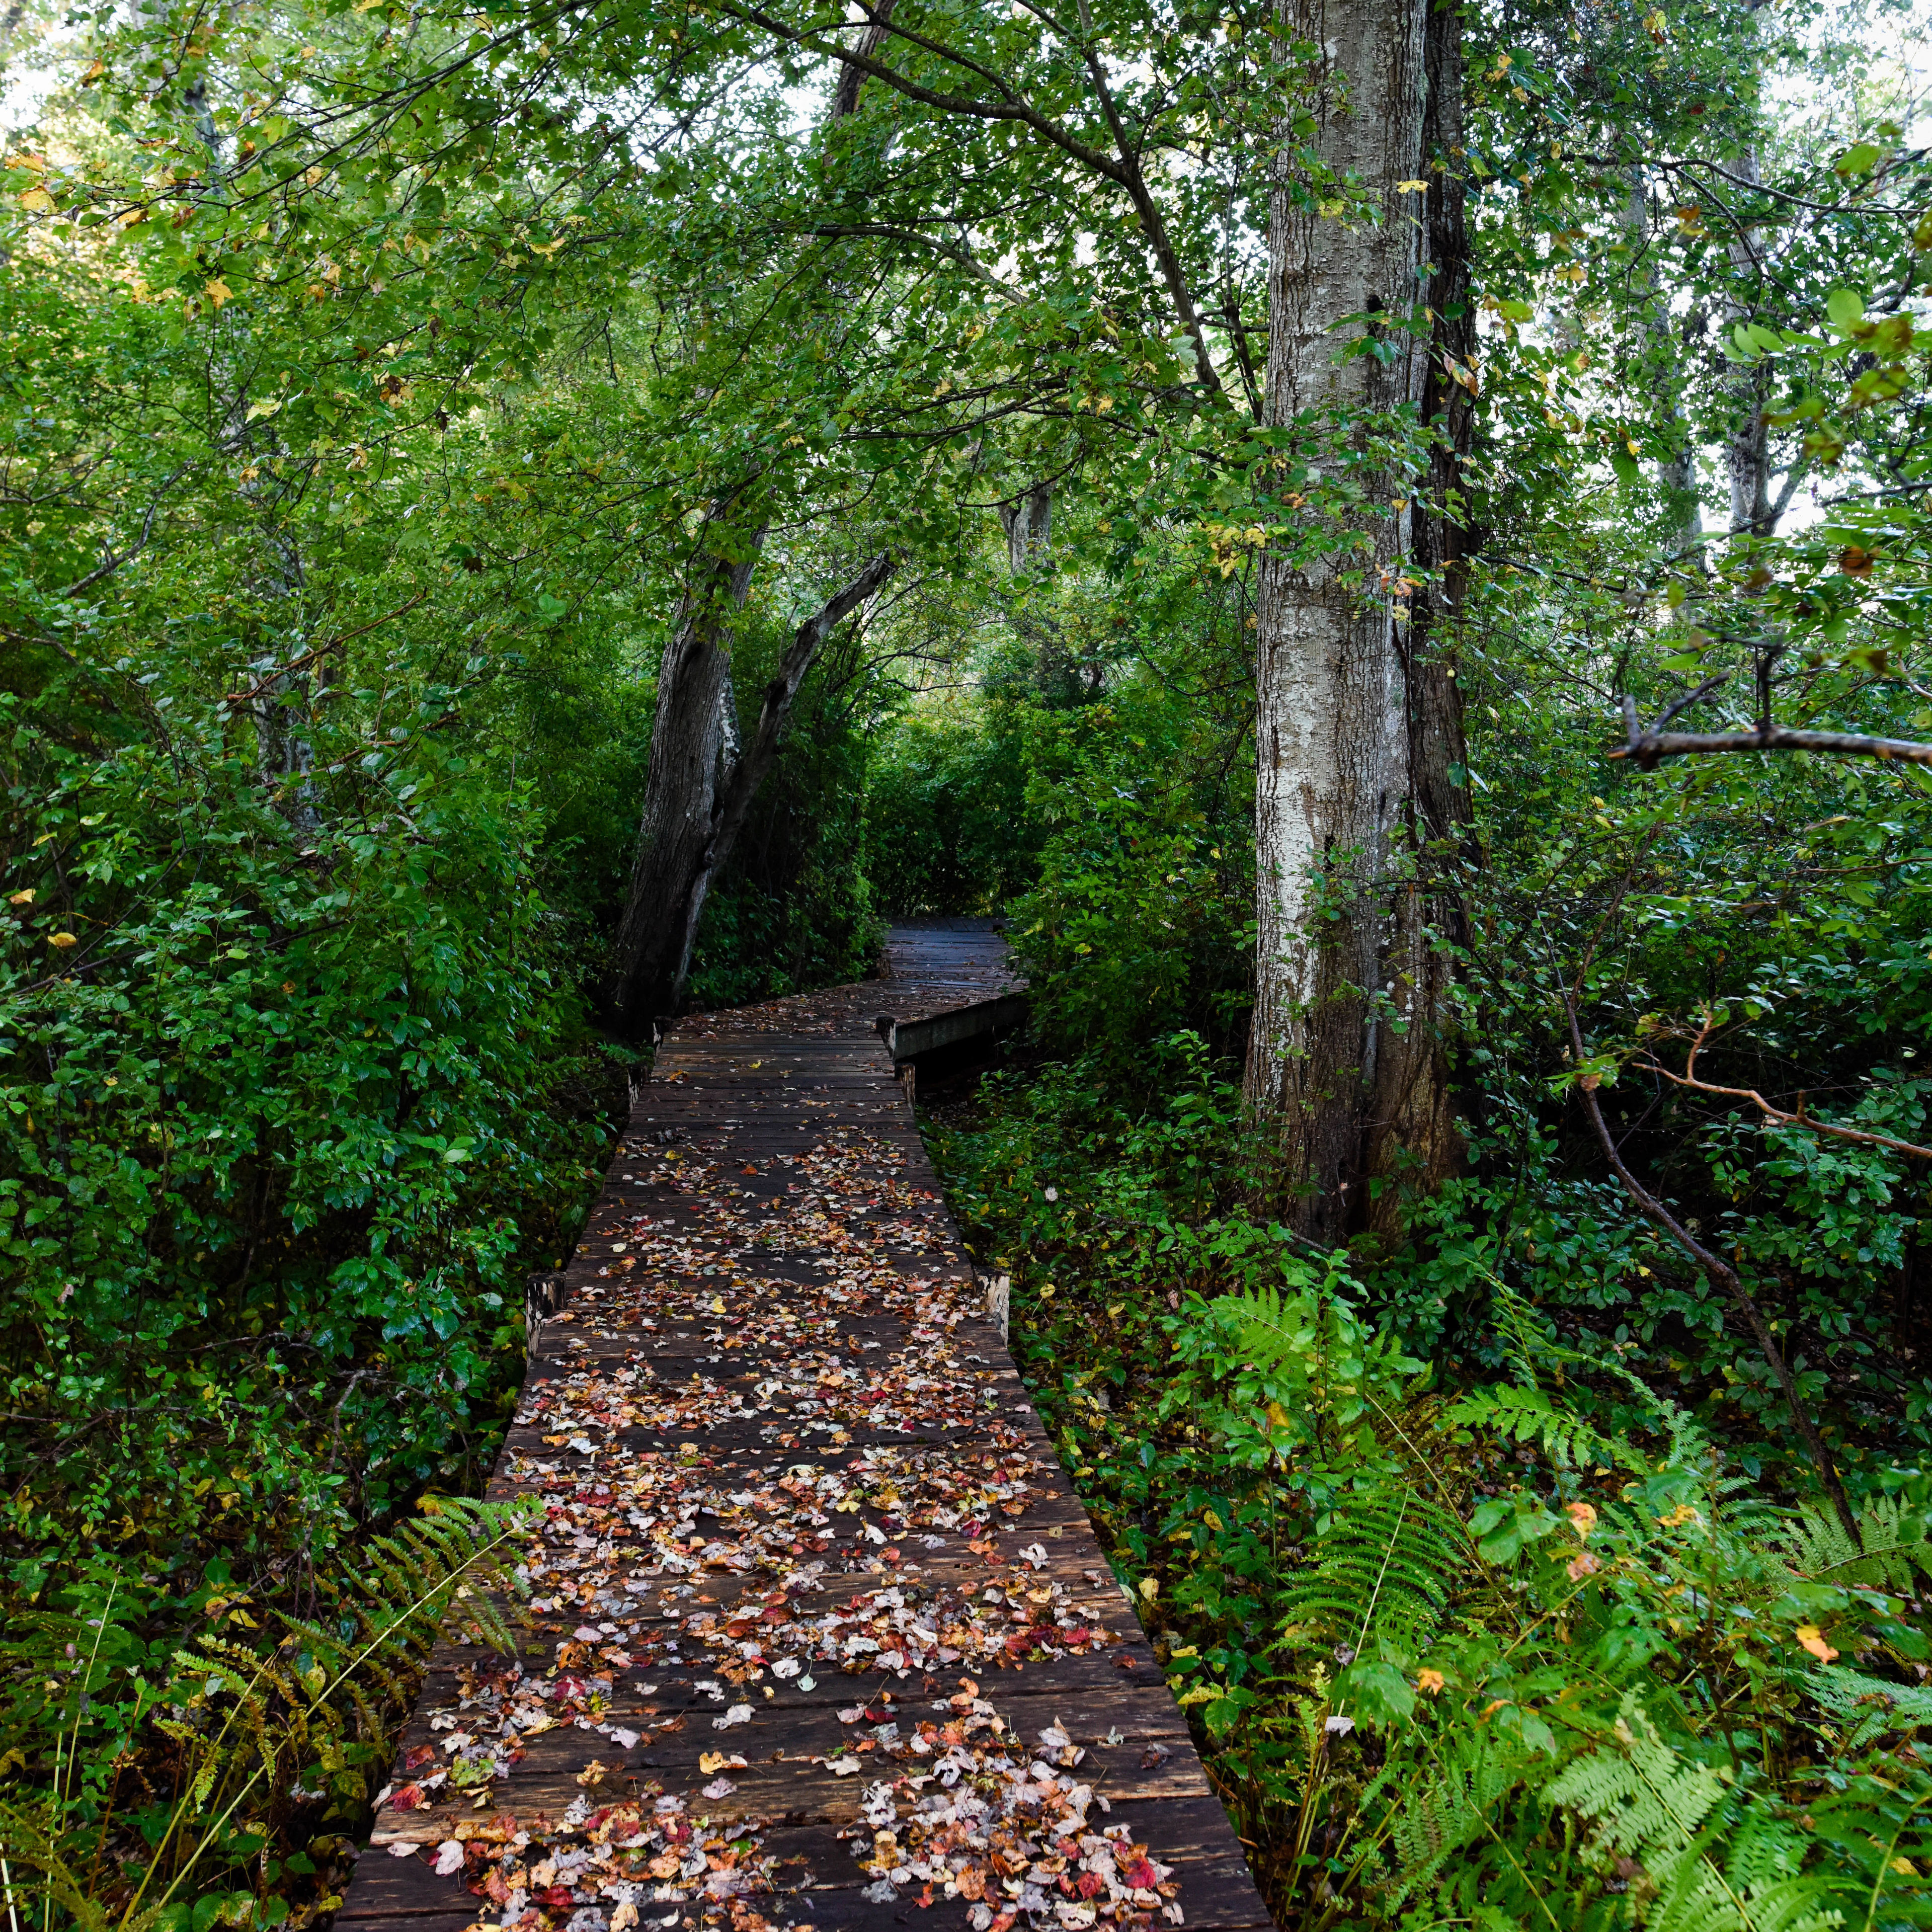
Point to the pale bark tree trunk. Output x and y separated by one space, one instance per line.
1343 1050
1747 439
1028 525
698 791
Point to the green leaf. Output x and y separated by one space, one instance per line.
1845 307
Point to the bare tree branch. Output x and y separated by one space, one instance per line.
1648 745
1688 1078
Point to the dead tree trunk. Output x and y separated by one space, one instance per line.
1343 1054
700 787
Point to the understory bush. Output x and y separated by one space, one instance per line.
278 1144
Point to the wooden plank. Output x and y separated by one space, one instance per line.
808 1561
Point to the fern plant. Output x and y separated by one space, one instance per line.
256 1726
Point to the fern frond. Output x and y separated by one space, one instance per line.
1660 1811
1646 1801
1270 1334
1528 1415
1444 1816
1868 1707
1891 1545
1390 1565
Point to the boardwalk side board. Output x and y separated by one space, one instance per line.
814 1632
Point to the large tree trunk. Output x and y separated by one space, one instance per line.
1353 762
701 784
669 875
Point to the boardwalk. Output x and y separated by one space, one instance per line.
817 1634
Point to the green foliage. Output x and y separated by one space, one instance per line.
947 824
309 1028
1528 1653
270 1747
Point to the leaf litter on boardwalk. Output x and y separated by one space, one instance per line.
631 1530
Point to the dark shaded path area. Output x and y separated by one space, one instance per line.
818 1634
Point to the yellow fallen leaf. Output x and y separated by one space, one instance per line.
1429 1682
1811 1638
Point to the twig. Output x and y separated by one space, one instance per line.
1724 1276
316 651
1688 1078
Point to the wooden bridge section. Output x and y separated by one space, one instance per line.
816 1633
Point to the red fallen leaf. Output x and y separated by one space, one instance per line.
925 1899
408 1799
1140 1874
417 1754
1079 1634
493 1889
558 1895
1125 1661
1019 1643
1090 1885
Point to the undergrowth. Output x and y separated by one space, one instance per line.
219 1773
1533 1646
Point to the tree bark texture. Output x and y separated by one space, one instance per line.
1357 730
1412 1131
701 784
651 953
1746 439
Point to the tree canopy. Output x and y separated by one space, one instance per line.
1389 542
